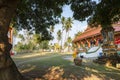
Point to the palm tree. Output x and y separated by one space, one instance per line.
69 40
78 34
68 26
63 21
51 31
59 36
52 28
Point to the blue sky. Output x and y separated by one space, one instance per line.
76 26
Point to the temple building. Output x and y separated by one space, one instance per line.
93 37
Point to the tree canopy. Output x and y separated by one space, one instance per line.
59 37
104 13
38 15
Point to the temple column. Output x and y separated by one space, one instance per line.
88 42
83 44
78 45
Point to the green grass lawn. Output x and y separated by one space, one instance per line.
54 67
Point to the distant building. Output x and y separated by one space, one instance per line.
93 37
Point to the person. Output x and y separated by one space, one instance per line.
91 43
75 53
77 59
94 42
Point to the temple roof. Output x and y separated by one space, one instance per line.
93 32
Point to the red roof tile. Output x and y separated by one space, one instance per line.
92 32
88 33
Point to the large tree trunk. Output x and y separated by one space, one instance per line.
8 70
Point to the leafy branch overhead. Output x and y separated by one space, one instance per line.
105 12
38 15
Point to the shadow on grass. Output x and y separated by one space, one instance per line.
59 69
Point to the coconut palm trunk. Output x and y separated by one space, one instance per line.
68 42
65 37
8 69
62 39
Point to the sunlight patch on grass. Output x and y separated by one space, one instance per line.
28 69
32 55
113 68
92 77
106 71
92 70
54 73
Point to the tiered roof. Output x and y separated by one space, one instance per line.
93 32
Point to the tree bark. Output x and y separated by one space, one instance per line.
8 69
